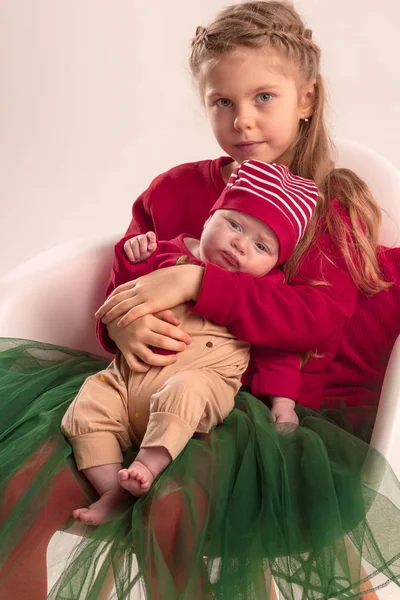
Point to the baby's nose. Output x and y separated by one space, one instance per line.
239 244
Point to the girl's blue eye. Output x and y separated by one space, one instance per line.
261 247
264 97
223 102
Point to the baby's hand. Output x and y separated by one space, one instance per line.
140 247
283 410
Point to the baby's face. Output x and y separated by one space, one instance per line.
236 241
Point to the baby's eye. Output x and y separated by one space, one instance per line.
261 247
223 102
264 97
234 225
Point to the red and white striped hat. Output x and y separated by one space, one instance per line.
271 193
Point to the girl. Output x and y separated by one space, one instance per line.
248 500
261 48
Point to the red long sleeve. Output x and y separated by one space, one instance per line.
141 218
357 372
295 317
274 373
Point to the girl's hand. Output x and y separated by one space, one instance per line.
159 330
283 410
152 293
140 247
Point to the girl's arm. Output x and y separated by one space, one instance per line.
295 317
275 373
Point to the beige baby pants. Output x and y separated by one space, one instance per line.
163 407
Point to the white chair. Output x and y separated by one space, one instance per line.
384 181
53 297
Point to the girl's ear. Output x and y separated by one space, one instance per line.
307 99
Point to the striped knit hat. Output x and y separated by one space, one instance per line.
272 194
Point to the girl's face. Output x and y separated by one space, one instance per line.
238 242
254 102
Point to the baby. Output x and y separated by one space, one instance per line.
253 228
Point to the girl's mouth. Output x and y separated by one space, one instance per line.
248 146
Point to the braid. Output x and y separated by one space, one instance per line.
295 40
256 24
200 37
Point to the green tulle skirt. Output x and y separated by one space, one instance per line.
246 504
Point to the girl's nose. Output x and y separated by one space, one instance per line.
244 121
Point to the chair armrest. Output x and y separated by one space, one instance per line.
53 297
386 434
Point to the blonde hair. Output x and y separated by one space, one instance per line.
278 26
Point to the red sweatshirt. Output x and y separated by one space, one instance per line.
356 375
271 372
297 317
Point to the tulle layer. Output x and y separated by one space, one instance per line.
248 503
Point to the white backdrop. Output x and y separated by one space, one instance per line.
96 99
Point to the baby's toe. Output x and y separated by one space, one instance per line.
123 474
78 512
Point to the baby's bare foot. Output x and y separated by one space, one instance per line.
137 479
99 510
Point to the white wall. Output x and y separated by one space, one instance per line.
96 99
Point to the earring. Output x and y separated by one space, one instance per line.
305 119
